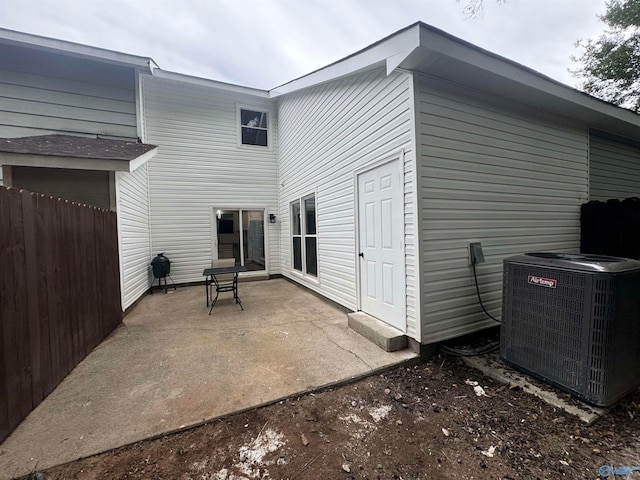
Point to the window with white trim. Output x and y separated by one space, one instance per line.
304 241
254 127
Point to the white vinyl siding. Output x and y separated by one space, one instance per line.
326 134
43 92
490 171
133 234
614 169
200 165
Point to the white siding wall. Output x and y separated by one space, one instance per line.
614 169
494 172
43 93
326 133
133 234
200 165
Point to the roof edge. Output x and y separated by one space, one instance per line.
76 49
394 46
433 38
67 162
205 82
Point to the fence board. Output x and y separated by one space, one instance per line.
9 306
31 276
18 333
75 325
67 308
59 294
6 279
53 287
42 259
112 265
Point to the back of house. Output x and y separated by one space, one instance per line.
364 181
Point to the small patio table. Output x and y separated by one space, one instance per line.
212 279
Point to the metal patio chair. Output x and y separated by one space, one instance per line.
227 282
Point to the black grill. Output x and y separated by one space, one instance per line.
161 267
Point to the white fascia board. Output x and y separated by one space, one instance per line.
389 52
395 61
76 49
142 159
444 44
73 163
204 82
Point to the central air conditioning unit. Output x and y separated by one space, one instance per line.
573 320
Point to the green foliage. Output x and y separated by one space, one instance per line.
610 65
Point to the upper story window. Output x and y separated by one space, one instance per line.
254 127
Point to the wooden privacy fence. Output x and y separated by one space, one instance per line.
59 294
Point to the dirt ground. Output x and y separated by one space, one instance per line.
419 422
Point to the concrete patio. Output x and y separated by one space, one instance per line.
170 366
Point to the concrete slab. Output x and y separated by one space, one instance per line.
171 366
386 337
493 367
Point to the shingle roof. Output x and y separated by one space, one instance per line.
77 147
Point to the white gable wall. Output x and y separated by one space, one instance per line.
200 165
132 196
495 172
614 169
328 132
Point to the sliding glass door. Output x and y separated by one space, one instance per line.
239 234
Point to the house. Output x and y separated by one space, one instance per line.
364 181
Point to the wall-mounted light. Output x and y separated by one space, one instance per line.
219 214
272 218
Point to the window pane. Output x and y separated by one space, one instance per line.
311 255
295 218
310 215
252 118
228 227
297 253
253 235
261 138
254 136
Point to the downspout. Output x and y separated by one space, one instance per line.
140 116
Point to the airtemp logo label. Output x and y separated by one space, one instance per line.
543 282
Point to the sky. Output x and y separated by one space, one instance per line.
265 43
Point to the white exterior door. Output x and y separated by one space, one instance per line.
381 236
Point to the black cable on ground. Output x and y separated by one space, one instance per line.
487 348
475 277
471 352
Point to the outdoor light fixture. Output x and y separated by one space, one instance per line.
219 214
272 218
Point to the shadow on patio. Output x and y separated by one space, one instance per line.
170 365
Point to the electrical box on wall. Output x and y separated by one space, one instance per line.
475 253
